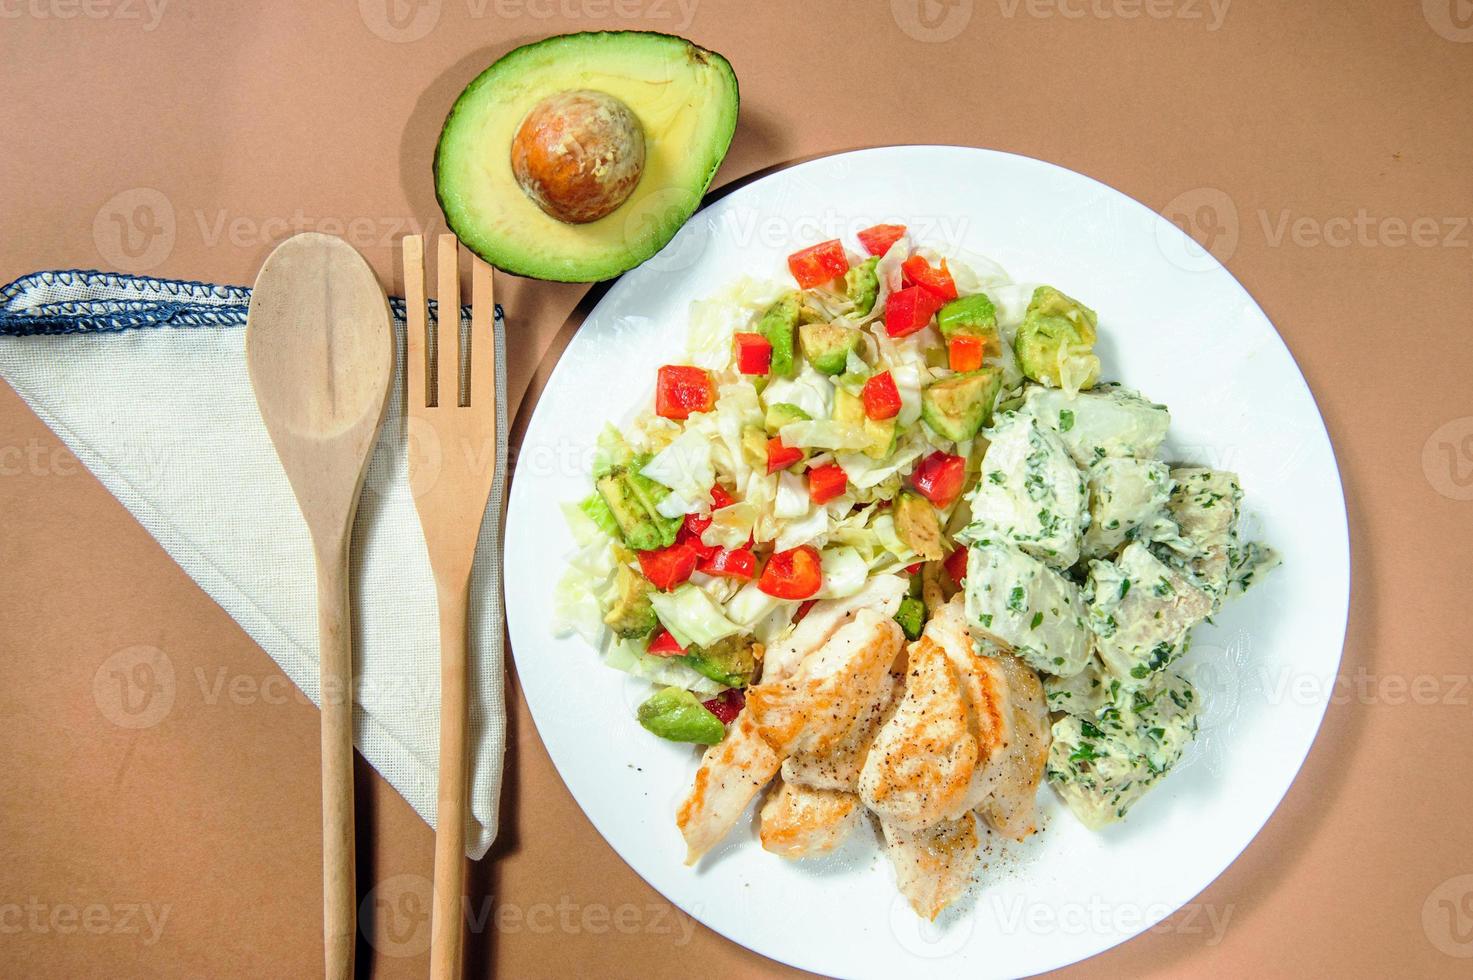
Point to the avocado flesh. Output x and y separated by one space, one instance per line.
862 285
957 407
730 662
632 500
881 432
778 325
680 717
685 98
781 413
971 315
827 345
631 615
918 526
911 616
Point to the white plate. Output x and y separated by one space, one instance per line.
1173 323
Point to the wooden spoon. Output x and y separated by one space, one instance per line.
320 349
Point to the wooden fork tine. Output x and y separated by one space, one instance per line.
416 320
483 337
447 326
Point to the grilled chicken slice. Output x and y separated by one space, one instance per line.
810 711
1010 808
936 758
934 866
798 822
881 594
839 768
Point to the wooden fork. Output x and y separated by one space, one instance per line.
451 480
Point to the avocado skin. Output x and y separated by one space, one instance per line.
679 716
614 265
778 324
957 407
827 346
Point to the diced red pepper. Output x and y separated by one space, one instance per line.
780 457
662 644
818 264
934 279
793 574
826 482
726 705
912 569
878 239
682 390
965 351
803 609
910 310
940 478
738 563
956 565
880 396
720 498
668 567
695 525
753 353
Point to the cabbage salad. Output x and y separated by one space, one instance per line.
893 410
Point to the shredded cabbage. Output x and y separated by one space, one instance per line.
825 434
844 572
751 605
792 496
715 319
685 467
810 391
630 657
691 616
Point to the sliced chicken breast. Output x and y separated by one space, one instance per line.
798 822
1011 807
933 867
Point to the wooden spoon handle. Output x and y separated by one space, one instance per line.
446 939
339 876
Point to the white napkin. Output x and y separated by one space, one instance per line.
145 381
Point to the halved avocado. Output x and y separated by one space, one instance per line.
684 99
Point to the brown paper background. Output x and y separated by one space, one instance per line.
242 116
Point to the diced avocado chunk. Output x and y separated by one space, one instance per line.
882 432
971 315
754 446
731 661
862 285
781 413
677 715
778 325
1055 342
918 526
957 407
827 345
911 617
632 499
630 614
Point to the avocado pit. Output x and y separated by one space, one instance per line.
578 155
